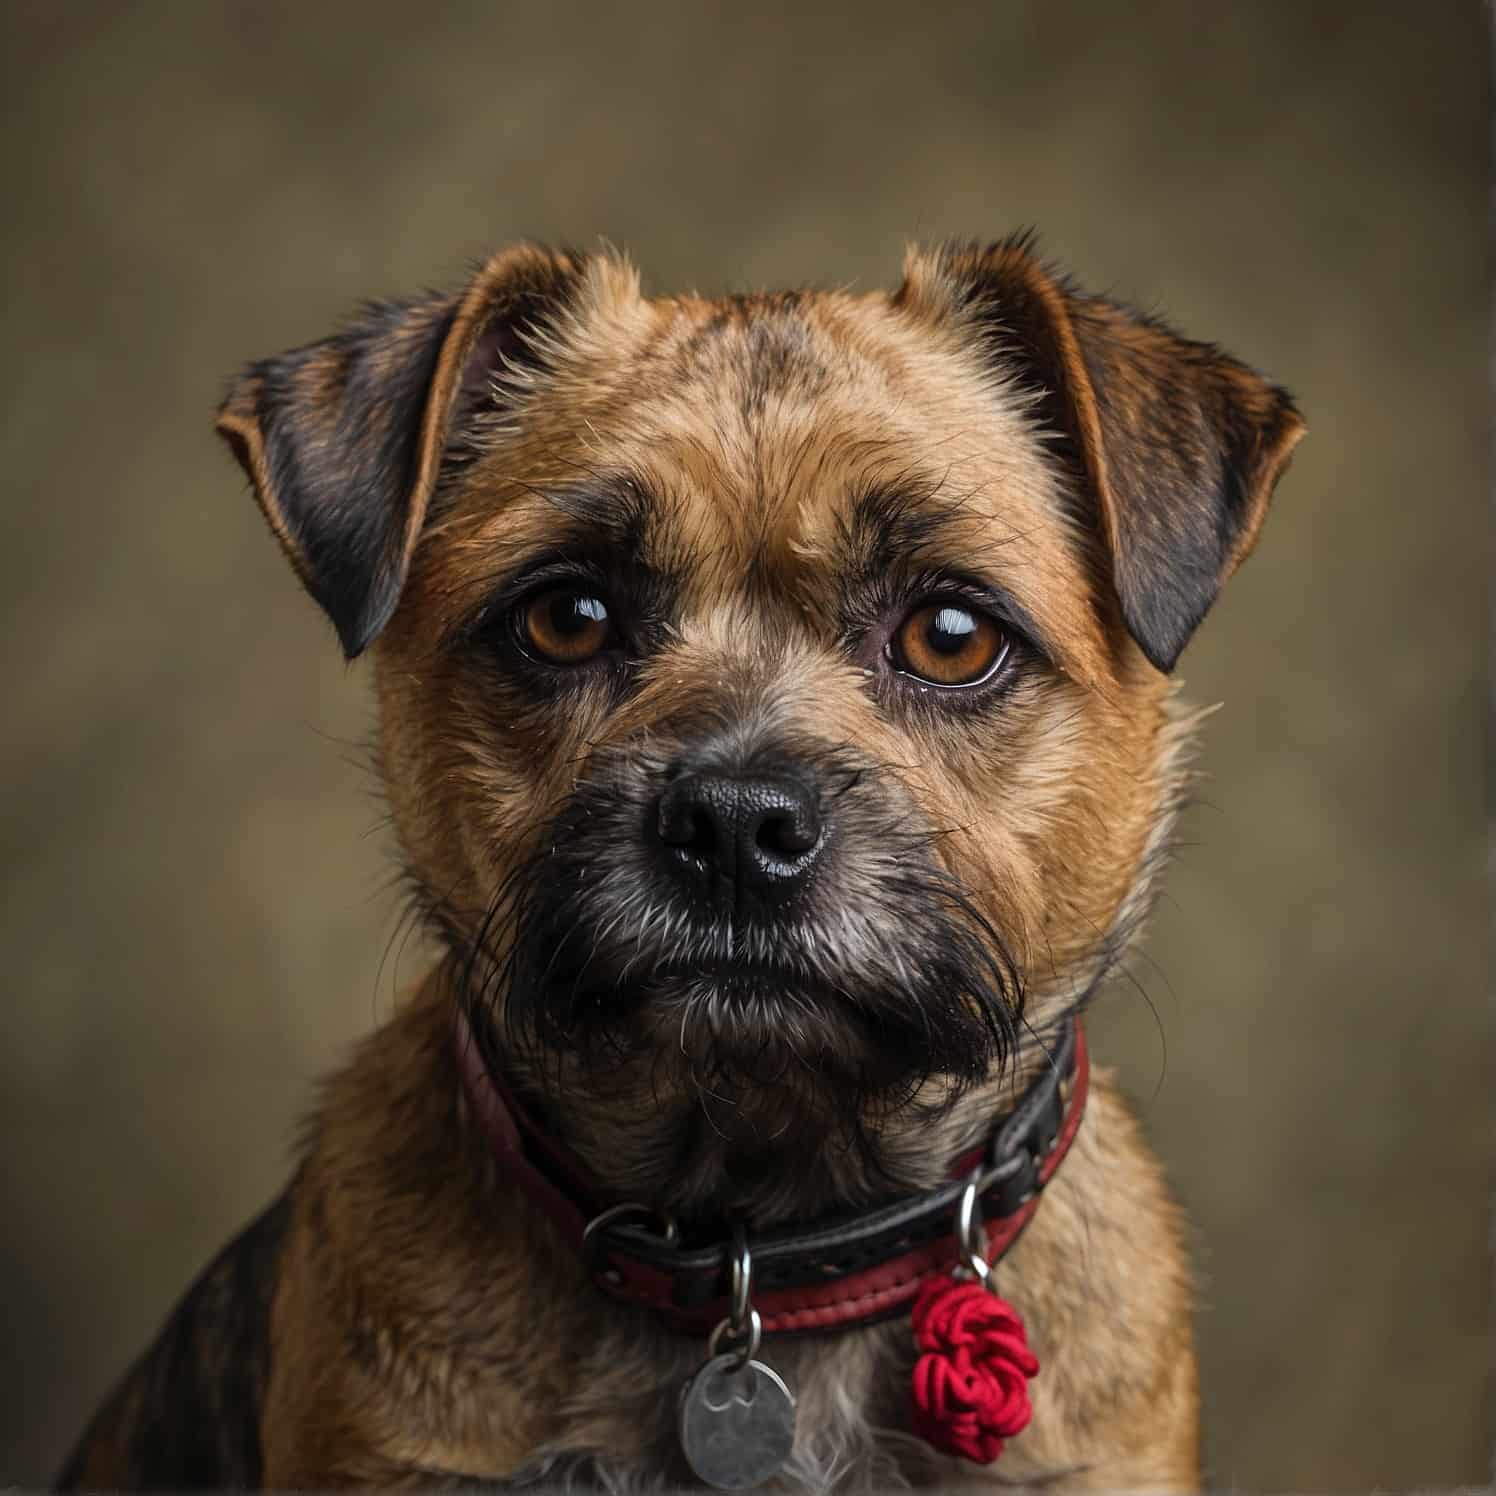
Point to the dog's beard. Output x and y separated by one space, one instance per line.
867 1005
828 1014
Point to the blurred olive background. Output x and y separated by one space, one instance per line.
196 910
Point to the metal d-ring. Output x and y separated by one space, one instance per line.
606 1218
971 1239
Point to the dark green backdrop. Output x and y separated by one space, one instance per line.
194 920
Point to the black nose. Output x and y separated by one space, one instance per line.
761 832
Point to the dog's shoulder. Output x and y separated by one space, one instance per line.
187 1414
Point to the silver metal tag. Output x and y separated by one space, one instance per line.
736 1422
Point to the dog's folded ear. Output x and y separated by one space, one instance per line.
343 439
1177 447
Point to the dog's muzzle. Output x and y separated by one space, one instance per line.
772 908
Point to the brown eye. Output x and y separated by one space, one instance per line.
565 626
948 644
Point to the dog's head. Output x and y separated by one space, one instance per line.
774 690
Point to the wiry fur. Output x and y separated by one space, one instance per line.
762 487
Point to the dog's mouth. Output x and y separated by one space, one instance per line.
737 984
743 1015
739 1021
754 1002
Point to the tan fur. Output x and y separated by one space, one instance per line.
426 1323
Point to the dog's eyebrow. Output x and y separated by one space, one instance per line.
617 507
889 524
896 530
603 525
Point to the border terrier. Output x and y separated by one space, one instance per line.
776 717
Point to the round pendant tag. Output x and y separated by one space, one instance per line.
736 1422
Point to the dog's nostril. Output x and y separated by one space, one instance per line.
684 821
786 834
703 834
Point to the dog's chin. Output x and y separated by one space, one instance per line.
771 1031
748 1028
761 1054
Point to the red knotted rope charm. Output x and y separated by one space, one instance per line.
971 1380
971 1383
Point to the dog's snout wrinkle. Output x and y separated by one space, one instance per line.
761 833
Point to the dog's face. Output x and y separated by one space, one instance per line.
774 691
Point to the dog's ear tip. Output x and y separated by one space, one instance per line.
360 602
353 642
357 631
1161 638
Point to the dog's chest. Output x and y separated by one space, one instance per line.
851 1415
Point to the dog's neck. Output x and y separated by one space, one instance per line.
644 1131
641 1128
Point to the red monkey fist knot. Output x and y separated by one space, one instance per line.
971 1382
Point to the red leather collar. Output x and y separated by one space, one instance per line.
824 1275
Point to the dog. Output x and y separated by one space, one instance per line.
777 719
